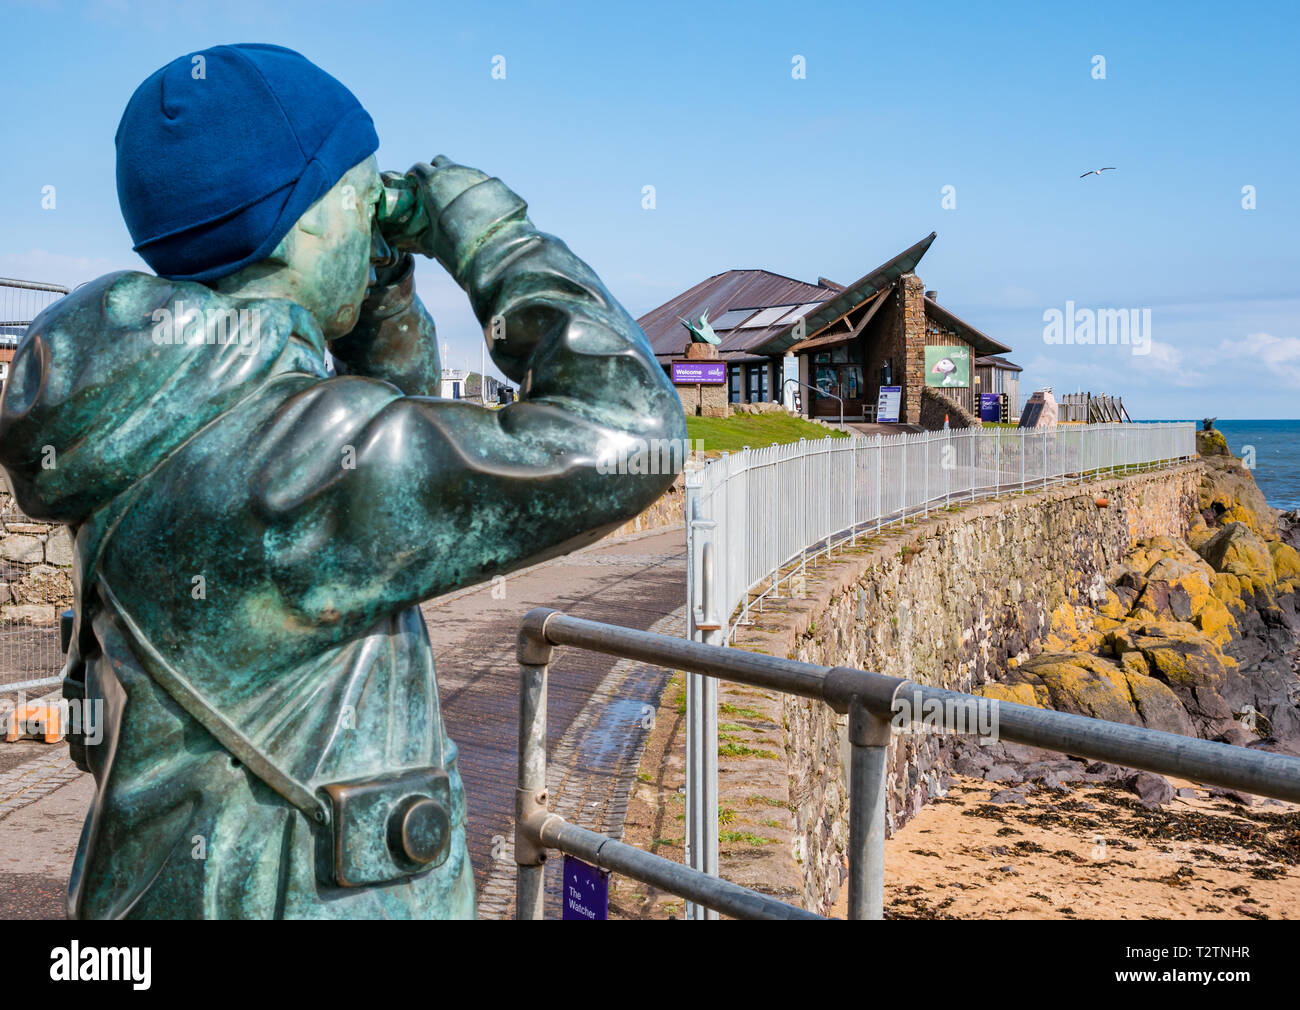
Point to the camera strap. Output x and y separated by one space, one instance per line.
192 701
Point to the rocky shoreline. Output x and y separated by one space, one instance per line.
1198 636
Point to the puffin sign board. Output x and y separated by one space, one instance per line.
947 366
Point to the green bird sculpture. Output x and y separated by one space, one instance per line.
701 332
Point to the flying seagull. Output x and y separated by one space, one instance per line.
1098 171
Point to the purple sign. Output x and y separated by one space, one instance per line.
705 372
586 890
990 407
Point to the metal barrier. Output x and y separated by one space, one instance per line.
767 508
751 514
29 653
874 703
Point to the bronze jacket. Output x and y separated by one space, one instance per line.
259 533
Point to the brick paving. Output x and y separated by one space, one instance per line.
598 719
35 778
598 707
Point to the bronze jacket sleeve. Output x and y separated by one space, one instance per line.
373 499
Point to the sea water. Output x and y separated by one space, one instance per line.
1272 449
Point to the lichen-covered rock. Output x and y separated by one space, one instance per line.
1238 550
1212 443
1286 566
1155 703
1094 686
1151 550
1019 694
1181 591
1081 684
1190 663
1228 493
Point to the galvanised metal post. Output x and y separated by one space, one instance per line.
906 447
947 473
702 739
869 739
853 490
803 511
972 449
1022 460
997 461
880 472
534 655
925 473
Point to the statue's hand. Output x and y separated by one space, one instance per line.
413 203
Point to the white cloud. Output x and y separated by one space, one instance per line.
1280 354
1167 360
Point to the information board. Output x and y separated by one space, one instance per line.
888 404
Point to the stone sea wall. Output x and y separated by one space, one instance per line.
953 601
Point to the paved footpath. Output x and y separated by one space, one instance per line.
598 717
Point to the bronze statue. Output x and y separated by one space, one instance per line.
254 534
701 332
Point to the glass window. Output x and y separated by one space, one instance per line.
757 383
851 380
824 358
733 383
840 354
826 380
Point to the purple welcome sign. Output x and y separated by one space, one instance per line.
703 372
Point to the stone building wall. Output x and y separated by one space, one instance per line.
945 603
912 306
35 566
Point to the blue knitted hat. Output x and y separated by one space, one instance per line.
218 157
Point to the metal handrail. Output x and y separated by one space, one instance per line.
819 391
874 703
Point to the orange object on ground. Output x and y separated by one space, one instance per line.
35 720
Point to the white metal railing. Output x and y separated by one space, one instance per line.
762 510
752 514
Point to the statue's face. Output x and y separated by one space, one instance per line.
332 249
324 263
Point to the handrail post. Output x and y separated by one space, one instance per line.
702 739
880 470
534 654
853 489
925 469
869 739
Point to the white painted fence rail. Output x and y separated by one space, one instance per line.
760 510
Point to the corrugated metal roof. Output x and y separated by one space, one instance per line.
734 289
817 304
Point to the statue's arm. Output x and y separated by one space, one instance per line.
374 500
394 338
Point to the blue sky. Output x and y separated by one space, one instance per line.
826 175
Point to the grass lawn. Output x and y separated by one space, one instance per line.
728 434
